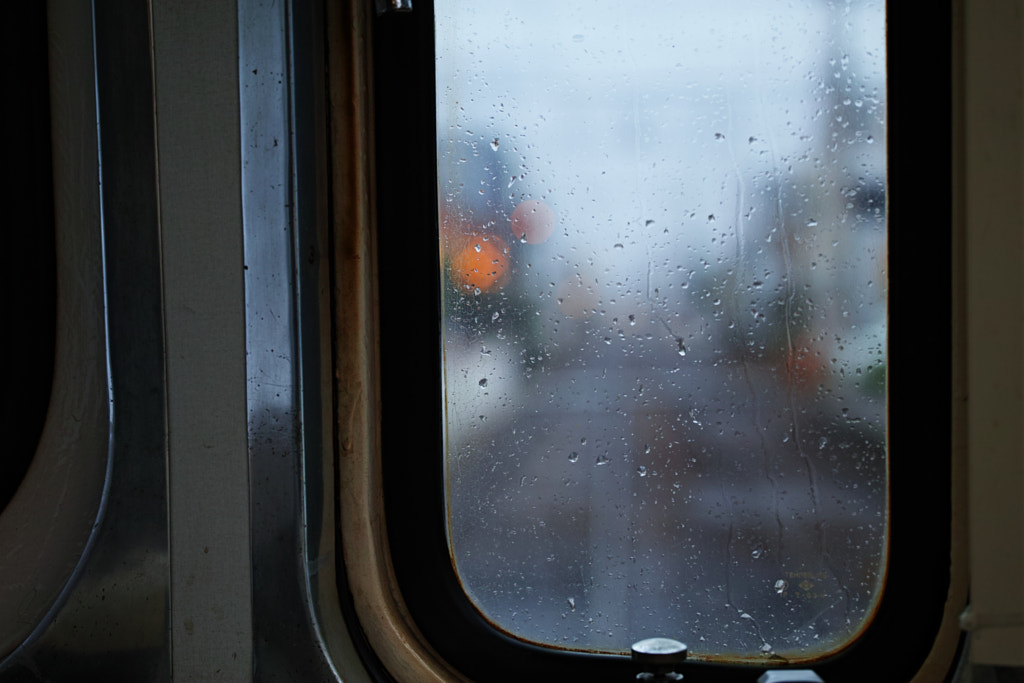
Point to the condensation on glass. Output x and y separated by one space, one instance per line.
663 239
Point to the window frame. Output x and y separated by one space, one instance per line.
415 595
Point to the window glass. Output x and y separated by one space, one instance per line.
29 274
663 241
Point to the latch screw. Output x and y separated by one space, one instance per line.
658 657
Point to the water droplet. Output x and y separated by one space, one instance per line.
642 471
572 604
812 223
603 459
766 649
494 144
780 586
577 38
574 456
618 245
719 136
583 441
756 553
632 319
477 247
711 218
681 346
483 382
822 442
647 448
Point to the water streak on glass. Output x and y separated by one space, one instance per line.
663 239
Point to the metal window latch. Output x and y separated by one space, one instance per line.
790 676
390 6
658 657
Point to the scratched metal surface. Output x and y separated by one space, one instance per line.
298 633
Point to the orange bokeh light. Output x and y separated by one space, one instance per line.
480 264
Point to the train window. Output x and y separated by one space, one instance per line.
650 299
662 237
29 270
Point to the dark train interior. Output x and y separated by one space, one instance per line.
436 341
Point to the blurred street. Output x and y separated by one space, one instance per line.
664 247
